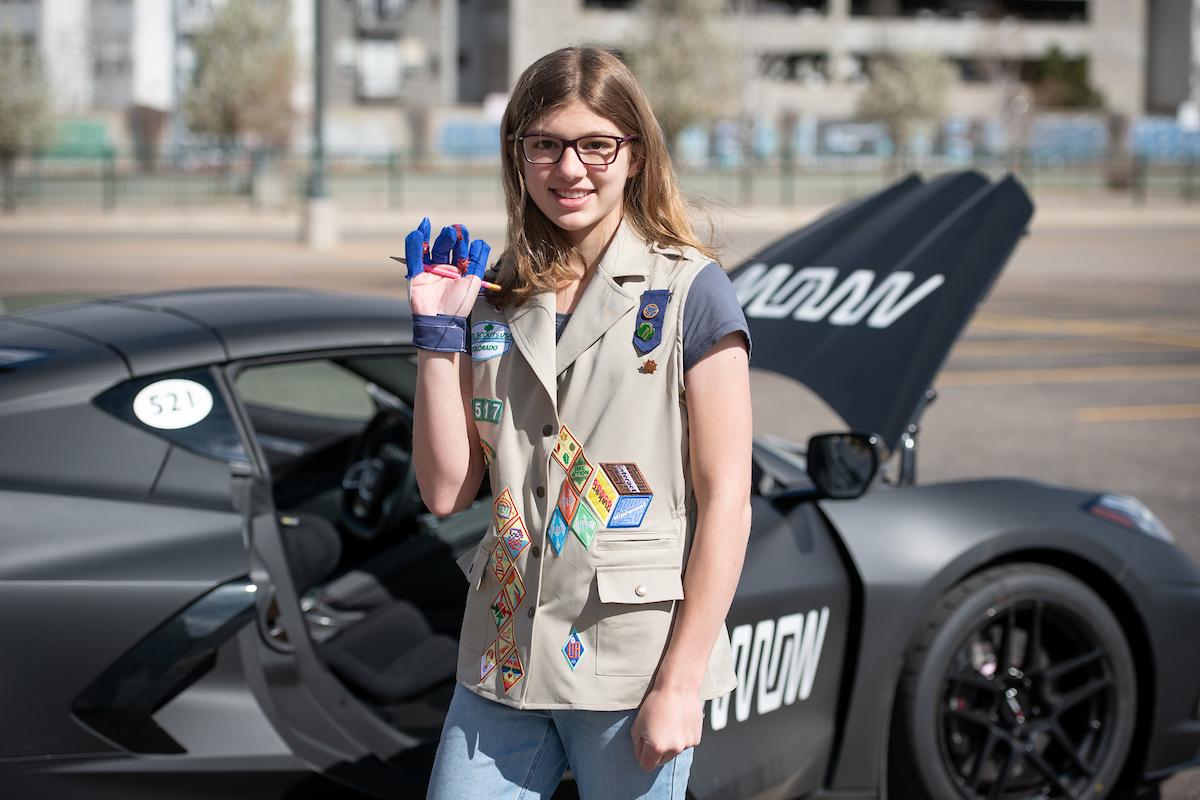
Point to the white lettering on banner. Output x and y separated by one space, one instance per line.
809 295
776 664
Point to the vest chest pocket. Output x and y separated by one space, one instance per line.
635 617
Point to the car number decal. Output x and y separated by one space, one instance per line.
172 404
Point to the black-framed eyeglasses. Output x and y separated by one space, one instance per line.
541 149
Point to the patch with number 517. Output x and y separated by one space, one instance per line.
485 409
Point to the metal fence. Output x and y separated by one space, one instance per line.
231 180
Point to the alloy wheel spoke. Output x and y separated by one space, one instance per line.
1042 766
1056 671
1006 641
981 759
1001 783
1075 697
1064 742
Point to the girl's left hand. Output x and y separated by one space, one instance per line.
667 723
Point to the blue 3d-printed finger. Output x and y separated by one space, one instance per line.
480 251
461 248
416 244
442 246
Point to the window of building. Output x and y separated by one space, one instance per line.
811 69
1066 11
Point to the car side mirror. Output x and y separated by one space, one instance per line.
843 465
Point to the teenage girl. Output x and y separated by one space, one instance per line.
604 388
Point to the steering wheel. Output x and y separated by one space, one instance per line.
379 487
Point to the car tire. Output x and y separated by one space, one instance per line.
1020 683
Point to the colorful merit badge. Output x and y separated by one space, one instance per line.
485 409
506 640
501 560
579 472
585 524
556 531
515 539
565 449
504 510
647 331
633 494
488 661
489 340
573 649
489 454
601 496
511 670
514 588
568 501
501 609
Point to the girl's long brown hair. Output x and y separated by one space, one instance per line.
537 256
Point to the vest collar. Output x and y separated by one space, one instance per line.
602 304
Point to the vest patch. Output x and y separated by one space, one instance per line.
633 494
489 453
579 472
573 649
490 340
501 610
647 331
568 501
515 539
514 588
501 560
585 524
504 510
485 409
511 670
505 640
487 662
601 496
566 448
556 531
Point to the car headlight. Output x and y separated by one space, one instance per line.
1128 512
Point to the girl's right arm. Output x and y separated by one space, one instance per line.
446 453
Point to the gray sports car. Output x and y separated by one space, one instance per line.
217 577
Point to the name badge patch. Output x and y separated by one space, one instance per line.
648 324
490 340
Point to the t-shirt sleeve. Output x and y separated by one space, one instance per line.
710 311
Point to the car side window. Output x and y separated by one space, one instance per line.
319 388
185 408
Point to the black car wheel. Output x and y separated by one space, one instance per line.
1019 685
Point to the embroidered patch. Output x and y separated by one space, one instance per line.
485 409
514 588
488 661
556 531
633 494
585 525
579 472
511 670
647 332
506 640
515 538
573 649
489 455
501 560
504 509
566 448
489 340
568 501
501 610
601 496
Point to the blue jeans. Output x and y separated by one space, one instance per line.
489 750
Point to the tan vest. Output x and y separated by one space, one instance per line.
572 591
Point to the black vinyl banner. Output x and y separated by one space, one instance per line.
863 305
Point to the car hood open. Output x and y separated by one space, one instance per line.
864 304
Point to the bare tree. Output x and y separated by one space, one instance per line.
245 64
690 71
906 91
25 119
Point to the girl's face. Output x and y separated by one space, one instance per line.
584 200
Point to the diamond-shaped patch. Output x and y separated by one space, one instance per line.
501 609
585 524
515 538
568 500
501 560
556 531
566 448
573 649
488 661
511 670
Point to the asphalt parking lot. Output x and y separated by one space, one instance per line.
1082 368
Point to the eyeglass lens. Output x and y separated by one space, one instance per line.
591 149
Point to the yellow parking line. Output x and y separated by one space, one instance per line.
1012 377
1138 413
1086 327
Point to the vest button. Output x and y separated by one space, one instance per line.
540 491
546 431
530 614
536 552
640 591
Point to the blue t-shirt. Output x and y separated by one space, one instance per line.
711 311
